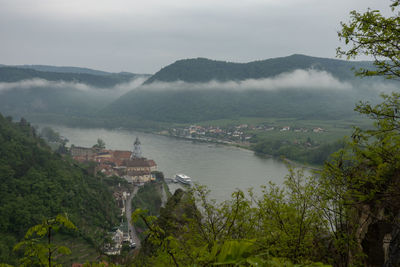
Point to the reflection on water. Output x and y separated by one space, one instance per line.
221 168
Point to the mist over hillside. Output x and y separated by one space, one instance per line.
203 70
64 69
76 75
192 90
297 86
25 92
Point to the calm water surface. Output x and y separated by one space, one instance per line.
221 168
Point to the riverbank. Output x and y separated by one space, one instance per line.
221 168
245 146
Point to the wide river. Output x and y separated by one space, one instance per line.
221 168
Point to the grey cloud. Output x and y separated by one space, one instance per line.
34 83
144 36
115 91
306 79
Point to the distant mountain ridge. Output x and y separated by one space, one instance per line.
197 70
15 74
67 69
189 103
64 95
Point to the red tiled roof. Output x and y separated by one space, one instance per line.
139 162
120 154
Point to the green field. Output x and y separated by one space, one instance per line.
300 143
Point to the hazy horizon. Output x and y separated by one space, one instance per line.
144 37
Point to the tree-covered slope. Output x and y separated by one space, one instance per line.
202 105
35 184
65 96
38 90
15 74
204 70
200 89
62 69
66 100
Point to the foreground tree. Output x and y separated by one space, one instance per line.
362 182
375 35
39 249
281 227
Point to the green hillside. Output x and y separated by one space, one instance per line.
75 92
37 183
62 69
195 101
15 74
204 70
202 105
101 106
67 100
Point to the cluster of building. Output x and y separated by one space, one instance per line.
118 238
126 164
240 133
120 235
212 133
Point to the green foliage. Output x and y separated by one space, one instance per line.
62 96
54 140
100 144
204 70
39 250
50 135
372 34
283 226
144 108
298 152
187 106
36 183
360 184
292 218
100 264
107 80
235 253
148 197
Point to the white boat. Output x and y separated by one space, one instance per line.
184 179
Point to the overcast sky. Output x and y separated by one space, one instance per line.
144 36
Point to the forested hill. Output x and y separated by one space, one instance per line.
204 70
61 69
36 183
96 79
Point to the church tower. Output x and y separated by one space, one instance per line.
137 151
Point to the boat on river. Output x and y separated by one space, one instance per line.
184 179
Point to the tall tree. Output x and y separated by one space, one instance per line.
38 252
100 144
375 35
363 180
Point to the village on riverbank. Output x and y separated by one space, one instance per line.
132 167
129 165
244 135
241 134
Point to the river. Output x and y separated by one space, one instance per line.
221 168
